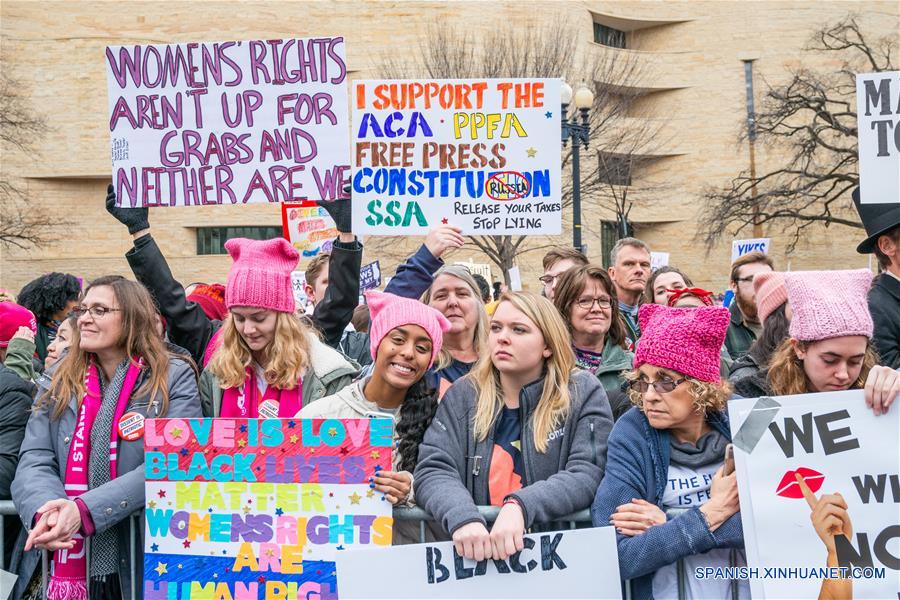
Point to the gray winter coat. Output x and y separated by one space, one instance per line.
42 467
451 477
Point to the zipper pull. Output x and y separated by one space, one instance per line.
476 465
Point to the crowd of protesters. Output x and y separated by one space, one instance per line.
592 394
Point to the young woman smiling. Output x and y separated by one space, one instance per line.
117 370
523 430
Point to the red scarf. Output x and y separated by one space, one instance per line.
245 401
703 295
68 580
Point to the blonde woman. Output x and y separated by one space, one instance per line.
80 471
264 362
524 431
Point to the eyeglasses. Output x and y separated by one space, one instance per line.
548 279
97 312
663 386
588 303
745 279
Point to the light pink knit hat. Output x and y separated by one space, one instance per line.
770 293
261 274
389 312
829 304
686 340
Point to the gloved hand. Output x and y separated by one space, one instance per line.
135 219
339 211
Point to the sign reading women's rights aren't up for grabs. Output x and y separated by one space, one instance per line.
483 155
228 122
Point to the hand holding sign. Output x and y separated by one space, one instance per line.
507 534
473 541
882 388
394 485
829 515
443 238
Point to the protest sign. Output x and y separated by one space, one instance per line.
370 276
742 247
481 154
474 268
259 508
308 228
837 445
298 283
228 122
577 563
878 126
515 279
658 259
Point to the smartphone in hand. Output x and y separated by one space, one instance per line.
729 460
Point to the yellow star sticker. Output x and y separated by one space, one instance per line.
355 498
294 438
270 552
176 432
152 504
370 493
180 567
246 509
161 568
375 455
531 152
241 443
332 432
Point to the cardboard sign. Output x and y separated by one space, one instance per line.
259 508
479 154
741 247
577 563
370 276
308 228
659 259
878 124
228 122
837 445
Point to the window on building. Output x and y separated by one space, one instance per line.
607 36
211 240
615 170
608 239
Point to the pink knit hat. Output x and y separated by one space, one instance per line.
390 311
770 293
13 316
261 274
829 304
686 340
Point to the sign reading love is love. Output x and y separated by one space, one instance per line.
250 508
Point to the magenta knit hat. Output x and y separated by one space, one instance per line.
770 293
13 316
261 274
390 311
686 340
829 304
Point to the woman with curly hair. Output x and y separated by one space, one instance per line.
667 452
51 298
405 338
829 347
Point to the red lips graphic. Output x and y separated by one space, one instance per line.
789 488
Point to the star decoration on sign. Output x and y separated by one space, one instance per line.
186 543
370 493
445 220
291 424
343 451
355 498
279 512
152 504
243 428
215 575
332 432
161 493
293 438
375 455
261 579
176 432
161 568
184 451
154 547
548 114
246 509
241 443
270 552
531 152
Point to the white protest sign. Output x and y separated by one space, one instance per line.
515 279
837 445
228 122
659 259
577 563
878 126
481 154
298 284
742 247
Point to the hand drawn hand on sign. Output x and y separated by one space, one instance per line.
829 515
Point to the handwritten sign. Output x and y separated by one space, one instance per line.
479 154
259 508
836 444
878 124
741 247
228 122
370 276
578 563
658 260
308 228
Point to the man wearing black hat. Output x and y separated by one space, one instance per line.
882 223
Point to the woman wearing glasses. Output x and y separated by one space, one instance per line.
586 299
668 453
80 471
524 431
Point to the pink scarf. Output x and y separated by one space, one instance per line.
245 401
68 580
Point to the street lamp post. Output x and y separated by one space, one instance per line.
580 133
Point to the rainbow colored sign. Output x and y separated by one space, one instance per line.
258 508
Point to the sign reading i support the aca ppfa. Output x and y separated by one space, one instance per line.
229 122
260 508
482 155
878 124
